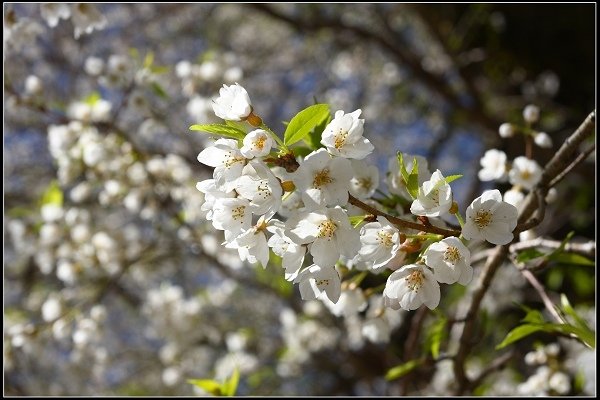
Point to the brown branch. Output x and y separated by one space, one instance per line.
465 345
540 212
587 249
580 158
542 292
400 222
412 341
494 366
560 162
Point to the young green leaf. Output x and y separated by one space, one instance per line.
437 334
452 178
519 333
221 130
571 259
208 385
529 254
305 121
357 220
313 139
229 387
400 370
52 195
412 184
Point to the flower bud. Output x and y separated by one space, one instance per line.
543 140
531 114
506 130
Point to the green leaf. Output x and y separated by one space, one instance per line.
230 386
570 311
403 170
411 180
400 370
412 184
529 254
356 220
240 126
437 334
571 259
220 129
533 317
566 240
313 139
519 333
452 178
208 385
159 91
52 195
92 98
149 59
305 121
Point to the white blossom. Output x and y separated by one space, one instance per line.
525 172
86 18
560 383
227 160
380 242
292 254
252 244
317 281
365 180
323 180
54 12
514 196
343 136
257 143
329 232
489 218
410 287
434 198
232 216
211 194
493 166
351 302
33 85
233 103
450 261
261 187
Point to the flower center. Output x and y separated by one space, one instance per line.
385 238
483 218
525 174
322 178
231 159
340 139
259 142
365 183
452 254
322 282
262 190
415 281
238 212
327 229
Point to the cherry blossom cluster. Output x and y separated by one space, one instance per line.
523 173
320 209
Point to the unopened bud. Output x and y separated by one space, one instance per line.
543 140
288 186
506 130
410 246
254 119
453 208
531 114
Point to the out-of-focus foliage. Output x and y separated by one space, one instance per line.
115 284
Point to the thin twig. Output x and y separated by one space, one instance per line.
542 292
586 249
495 365
580 158
401 222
